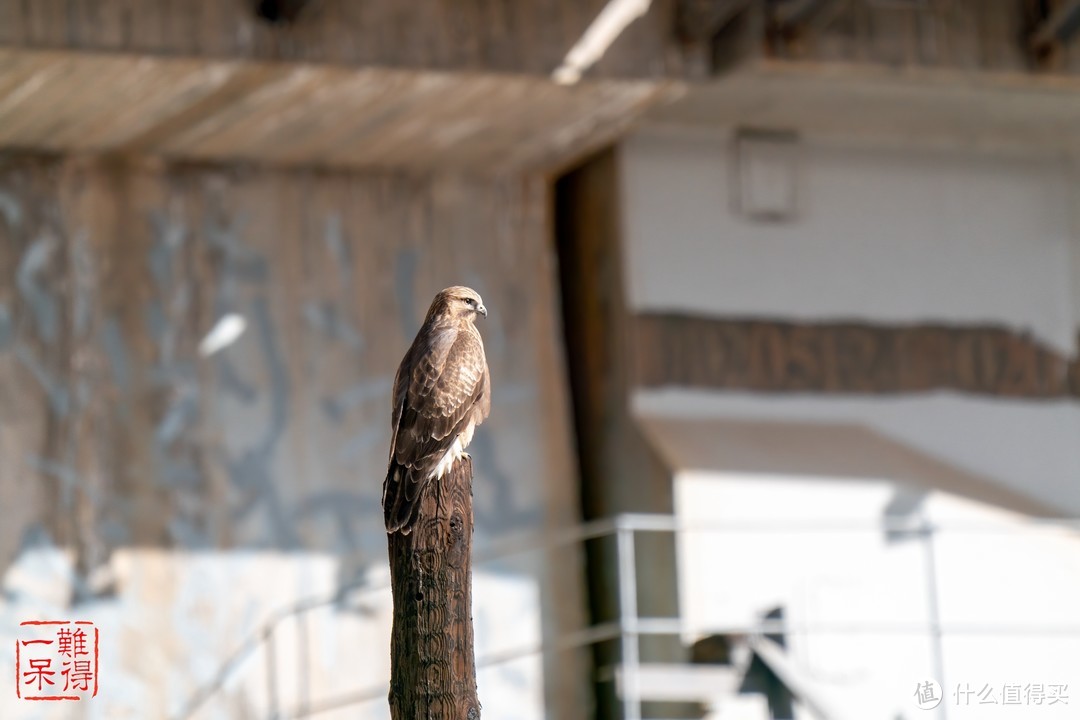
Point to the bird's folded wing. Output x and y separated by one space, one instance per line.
439 401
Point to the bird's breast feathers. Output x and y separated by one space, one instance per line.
454 453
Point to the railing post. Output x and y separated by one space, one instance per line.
628 622
273 707
304 671
928 529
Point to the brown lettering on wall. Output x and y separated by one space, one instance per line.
858 358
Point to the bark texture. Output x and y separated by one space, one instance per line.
432 666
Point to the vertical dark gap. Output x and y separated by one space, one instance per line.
584 227
573 290
575 207
620 472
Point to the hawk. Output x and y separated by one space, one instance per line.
442 391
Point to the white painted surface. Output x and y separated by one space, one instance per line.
155 655
857 602
1029 447
889 236
882 234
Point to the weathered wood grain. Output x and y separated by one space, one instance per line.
853 358
432 666
505 36
306 115
532 37
987 35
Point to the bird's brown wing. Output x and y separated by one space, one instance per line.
482 406
441 382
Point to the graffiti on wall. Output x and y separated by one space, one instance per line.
177 388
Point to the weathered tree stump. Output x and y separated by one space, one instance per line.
432 666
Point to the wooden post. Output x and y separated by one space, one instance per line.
432 667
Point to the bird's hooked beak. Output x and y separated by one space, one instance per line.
481 309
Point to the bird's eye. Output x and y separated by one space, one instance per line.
470 301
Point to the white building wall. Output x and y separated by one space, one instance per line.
882 234
888 235
861 605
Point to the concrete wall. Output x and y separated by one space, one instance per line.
172 483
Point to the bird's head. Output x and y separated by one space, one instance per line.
458 302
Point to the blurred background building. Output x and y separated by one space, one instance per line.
784 304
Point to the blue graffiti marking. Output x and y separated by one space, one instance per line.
252 470
326 319
404 279
112 338
7 328
10 209
375 389
59 399
43 305
334 235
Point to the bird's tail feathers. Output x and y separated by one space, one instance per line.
398 508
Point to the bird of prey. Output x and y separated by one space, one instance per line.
442 391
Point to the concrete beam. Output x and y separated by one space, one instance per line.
306 115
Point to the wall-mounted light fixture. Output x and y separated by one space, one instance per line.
765 175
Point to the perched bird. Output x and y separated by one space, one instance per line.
442 391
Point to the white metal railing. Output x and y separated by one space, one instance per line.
629 627
499 550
